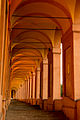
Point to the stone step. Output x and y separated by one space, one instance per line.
22 111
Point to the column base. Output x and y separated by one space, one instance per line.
46 104
78 110
50 104
1 118
37 101
34 102
58 105
41 104
31 101
3 108
20 100
7 104
0 103
69 108
26 100
23 100
1 115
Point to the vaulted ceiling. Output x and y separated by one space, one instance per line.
33 26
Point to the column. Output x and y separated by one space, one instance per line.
56 97
76 58
38 85
25 91
20 92
30 85
71 70
68 73
3 37
34 89
16 95
31 89
56 73
28 92
44 84
45 79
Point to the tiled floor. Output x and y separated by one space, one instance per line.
21 111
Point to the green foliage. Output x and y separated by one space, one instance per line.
61 90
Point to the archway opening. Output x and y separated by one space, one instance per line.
13 94
61 71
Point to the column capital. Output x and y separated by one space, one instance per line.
38 68
76 27
56 50
26 79
34 73
30 77
45 60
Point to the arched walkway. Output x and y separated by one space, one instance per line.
31 34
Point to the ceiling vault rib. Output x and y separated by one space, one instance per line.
35 29
28 56
32 42
41 17
32 48
26 64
